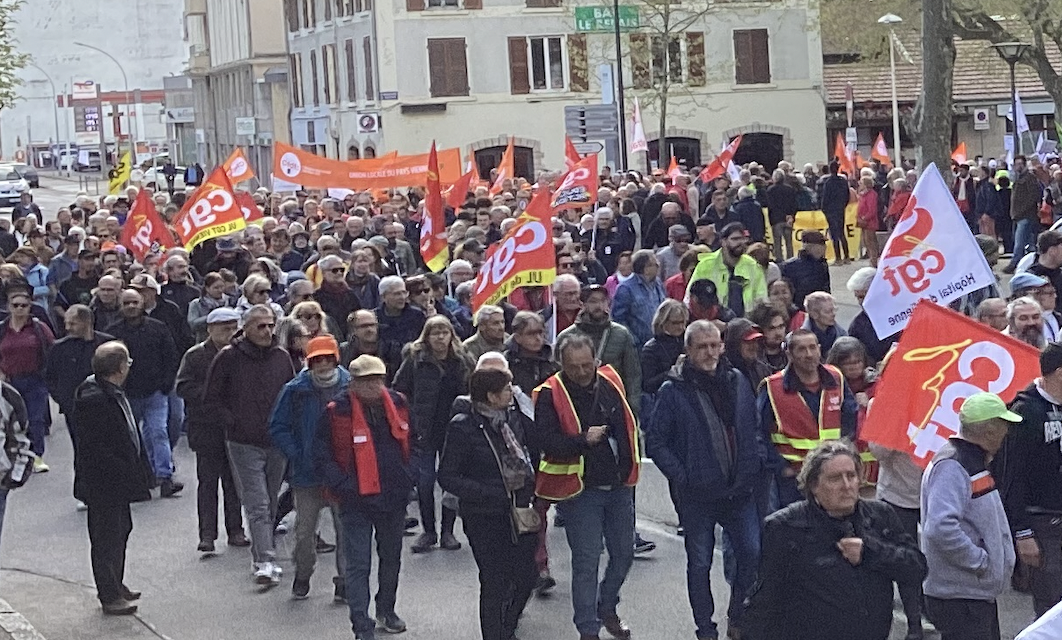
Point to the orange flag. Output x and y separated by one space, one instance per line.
248 206
433 247
959 155
144 231
473 168
673 169
458 192
719 166
236 166
578 187
840 151
211 212
506 169
571 155
880 151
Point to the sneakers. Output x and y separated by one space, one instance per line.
267 574
410 524
169 488
340 594
425 542
81 506
120 607
239 540
324 547
642 546
544 584
390 623
449 542
39 466
300 589
616 628
206 546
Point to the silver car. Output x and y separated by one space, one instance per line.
11 186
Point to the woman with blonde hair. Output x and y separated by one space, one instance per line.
309 312
434 371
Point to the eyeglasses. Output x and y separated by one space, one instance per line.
337 270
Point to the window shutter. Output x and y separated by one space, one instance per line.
414 5
578 68
518 66
761 56
695 74
457 67
437 67
752 56
742 58
640 61
352 85
370 84
473 4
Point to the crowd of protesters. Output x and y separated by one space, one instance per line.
314 350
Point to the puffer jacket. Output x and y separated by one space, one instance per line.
294 422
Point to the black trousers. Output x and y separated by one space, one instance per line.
964 619
910 593
1046 582
212 467
109 527
507 572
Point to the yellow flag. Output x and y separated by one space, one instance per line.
119 175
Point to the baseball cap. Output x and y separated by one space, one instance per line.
87 254
984 406
322 346
813 237
1026 280
146 281
752 333
227 244
223 315
365 365
1051 358
678 231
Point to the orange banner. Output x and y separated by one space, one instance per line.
578 187
390 171
523 258
942 358
144 231
211 212
237 168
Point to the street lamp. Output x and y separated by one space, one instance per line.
125 85
891 19
1011 52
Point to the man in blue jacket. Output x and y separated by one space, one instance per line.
292 427
705 444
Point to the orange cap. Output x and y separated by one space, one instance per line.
322 346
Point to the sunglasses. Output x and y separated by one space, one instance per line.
19 305
337 270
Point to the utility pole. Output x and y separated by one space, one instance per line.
619 87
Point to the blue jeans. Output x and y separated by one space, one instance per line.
590 517
738 518
175 418
1025 232
151 413
35 394
356 538
423 465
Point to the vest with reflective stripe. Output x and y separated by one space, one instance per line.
797 431
562 478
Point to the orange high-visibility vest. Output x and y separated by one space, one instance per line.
797 431
562 478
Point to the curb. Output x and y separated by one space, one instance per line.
13 625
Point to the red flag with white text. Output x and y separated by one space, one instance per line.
144 231
248 206
578 187
720 164
211 212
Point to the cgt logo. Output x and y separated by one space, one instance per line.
239 167
908 260
499 267
290 165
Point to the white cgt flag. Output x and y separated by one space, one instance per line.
637 142
931 254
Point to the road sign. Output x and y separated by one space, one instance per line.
586 148
245 126
588 19
593 120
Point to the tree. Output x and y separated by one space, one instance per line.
11 61
933 111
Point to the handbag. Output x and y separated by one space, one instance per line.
21 462
522 519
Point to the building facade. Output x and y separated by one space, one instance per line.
237 64
369 78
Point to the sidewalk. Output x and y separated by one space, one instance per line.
13 626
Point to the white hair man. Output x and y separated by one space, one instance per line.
490 331
566 289
1025 321
861 327
400 322
822 319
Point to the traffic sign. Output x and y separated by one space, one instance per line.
591 120
591 146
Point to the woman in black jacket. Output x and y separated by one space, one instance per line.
487 463
663 349
433 373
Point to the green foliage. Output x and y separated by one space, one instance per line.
10 58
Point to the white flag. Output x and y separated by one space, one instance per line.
1023 123
931 254
637 142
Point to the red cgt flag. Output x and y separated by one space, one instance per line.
571 155
719 166
144 231
523 258
578 187
433 246
458 192
942 358
248 206
211 212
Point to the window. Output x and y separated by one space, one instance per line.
327 10
328 69
295 62
364 5
752 57
352 85
370 84
309 13
667 60
291 12
313 79
547 63
542 4
452 4
546 56
448 67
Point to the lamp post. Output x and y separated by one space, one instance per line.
55 105
622 160
1011 52
891 19
125 89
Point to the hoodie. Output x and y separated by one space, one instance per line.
613 345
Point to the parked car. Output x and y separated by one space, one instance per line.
150 180
11 186
28 173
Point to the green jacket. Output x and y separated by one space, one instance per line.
711 266
617 350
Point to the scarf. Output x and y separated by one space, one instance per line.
325 382
364 450
718 389
515 462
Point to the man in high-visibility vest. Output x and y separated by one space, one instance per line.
800 406
590 466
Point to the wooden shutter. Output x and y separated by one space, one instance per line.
518 71
578 67
761 56
370 81
457 67
314 80
448 68
473 4
641 61
695 72
752 59
352 72
414 5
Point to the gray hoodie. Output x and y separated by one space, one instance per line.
965 535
